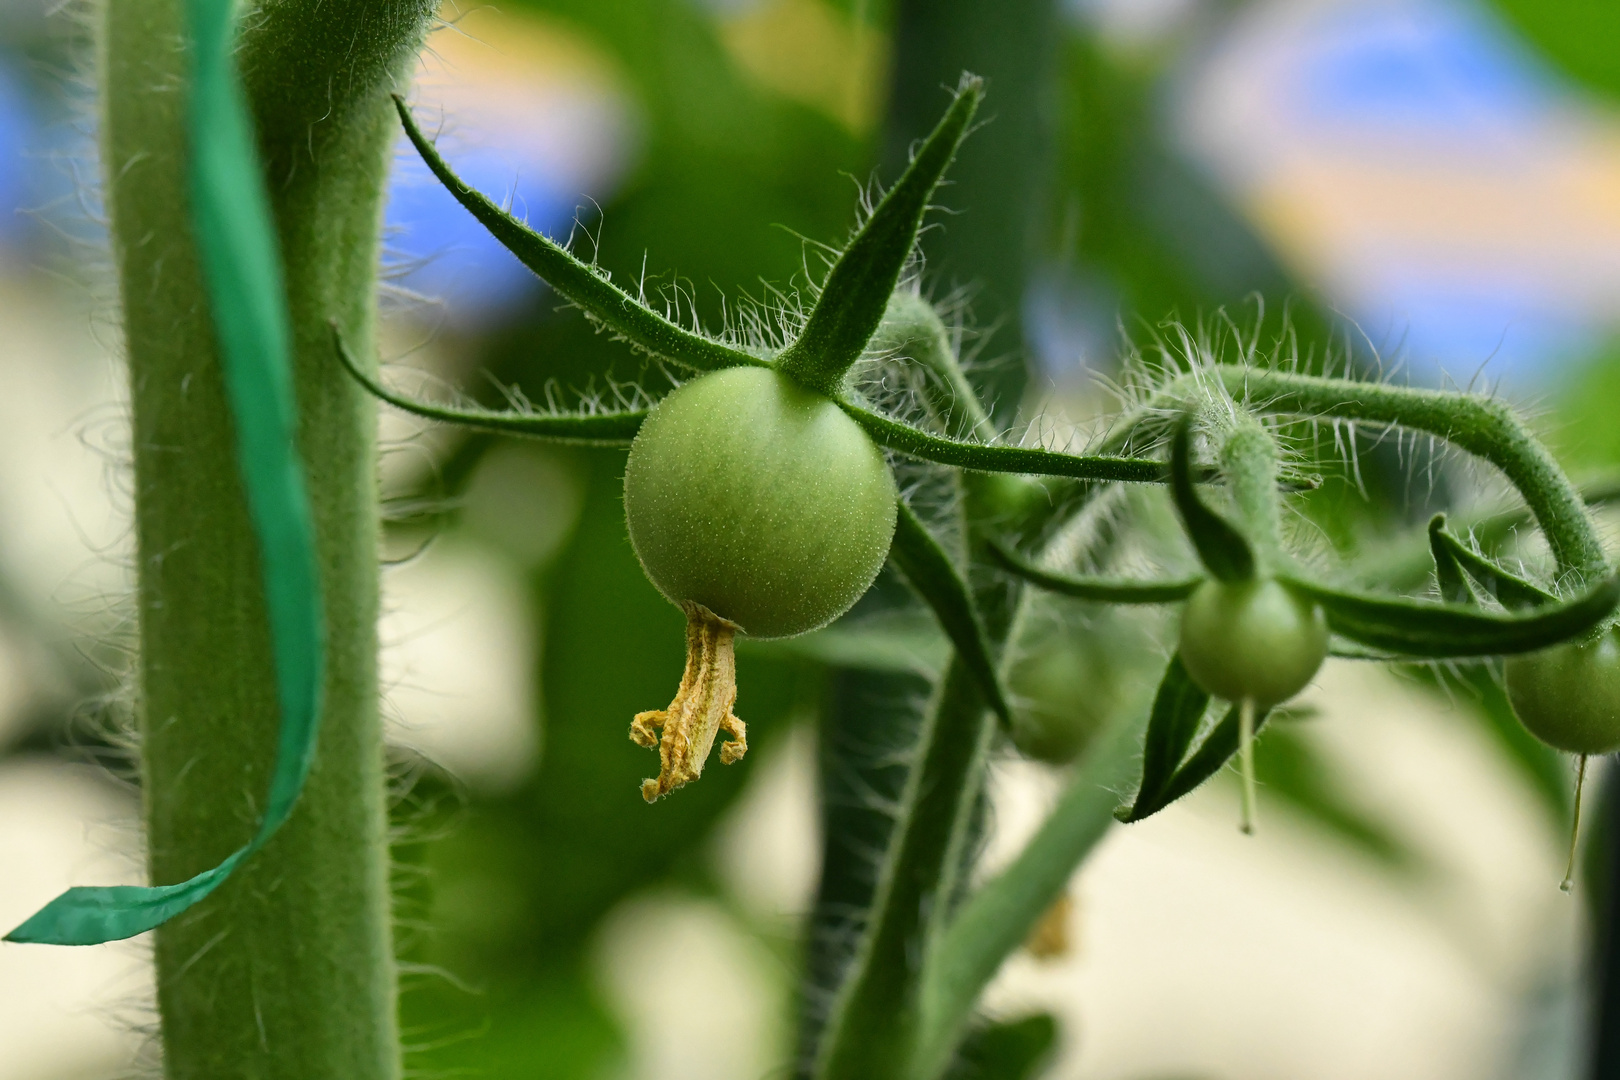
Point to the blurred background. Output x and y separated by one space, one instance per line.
1432 186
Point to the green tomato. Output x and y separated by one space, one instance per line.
1252 640
759 500
1568 696
1064 691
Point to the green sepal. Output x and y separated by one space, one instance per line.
1101 590
1448 572
857 289
1418 629
583 284
1212 754
1453 557
582 429
1221 548
1178 711
925 564
980 457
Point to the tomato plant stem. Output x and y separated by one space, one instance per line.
1483 426
870 1031
287 971
1250 462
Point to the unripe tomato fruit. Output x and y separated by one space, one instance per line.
760 500
755 506
1568 696
1252 640
1066 682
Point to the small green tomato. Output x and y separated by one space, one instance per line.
756 506
1252 641
1568 696
1066 685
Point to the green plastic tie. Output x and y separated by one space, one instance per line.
242 268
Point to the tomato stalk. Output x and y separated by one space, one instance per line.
1250 463
287 970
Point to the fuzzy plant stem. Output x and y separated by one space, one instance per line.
288 970
870 1033
1483 426
873 1027
1250 462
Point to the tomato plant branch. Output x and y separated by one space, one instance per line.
912 330
982 457
1224 551
871 1030
1482 426
1251 463
1102 590
1000 915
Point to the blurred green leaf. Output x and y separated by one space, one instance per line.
1576 35
1012 1050
1289 766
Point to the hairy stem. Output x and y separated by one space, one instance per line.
1482 426
286 971
999 916
869 1035
1250 462
874 1026
912 329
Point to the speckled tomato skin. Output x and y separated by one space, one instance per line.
1253 639
760 500
1568 696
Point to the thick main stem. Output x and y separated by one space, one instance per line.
287 971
